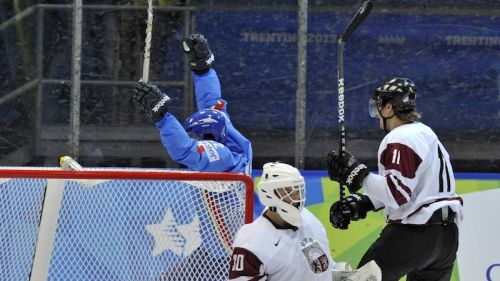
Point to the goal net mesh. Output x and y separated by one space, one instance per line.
118 229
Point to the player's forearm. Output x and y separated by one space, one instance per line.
207 89
376 188
175 139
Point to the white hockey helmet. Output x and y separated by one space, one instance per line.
282 187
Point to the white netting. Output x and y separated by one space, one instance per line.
123 229
20 209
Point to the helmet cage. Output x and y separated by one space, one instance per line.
292 195
283 188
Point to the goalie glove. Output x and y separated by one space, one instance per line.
149 99
346 169
196 48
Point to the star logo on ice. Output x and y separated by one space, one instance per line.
181 240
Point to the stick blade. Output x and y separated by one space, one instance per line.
360 16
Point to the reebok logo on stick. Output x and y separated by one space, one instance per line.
341 100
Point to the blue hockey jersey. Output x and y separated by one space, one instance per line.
235 155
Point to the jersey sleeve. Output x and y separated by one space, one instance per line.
206 156
395 185
208 91
245 265
377 205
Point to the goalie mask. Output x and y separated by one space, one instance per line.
209 124
400 92
282 187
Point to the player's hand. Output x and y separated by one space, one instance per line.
346 169
353 207
340 216
149 98
358 205
198 53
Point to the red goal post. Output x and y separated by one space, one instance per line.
119 224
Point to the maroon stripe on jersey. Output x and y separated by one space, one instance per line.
244 263
398 196
404 187
401 158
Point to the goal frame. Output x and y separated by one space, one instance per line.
138 175
47 230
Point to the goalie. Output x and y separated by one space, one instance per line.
206 142
287 242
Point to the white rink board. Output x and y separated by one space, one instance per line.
479 250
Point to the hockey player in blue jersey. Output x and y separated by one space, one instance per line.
206 142
215 145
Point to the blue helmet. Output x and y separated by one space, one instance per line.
207 124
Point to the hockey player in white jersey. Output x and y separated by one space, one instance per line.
415 186
287 242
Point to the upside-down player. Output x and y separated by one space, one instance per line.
415 185
208 142
217 145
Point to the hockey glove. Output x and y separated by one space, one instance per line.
346 169
358 205
353 207
151 100
339 215
198 53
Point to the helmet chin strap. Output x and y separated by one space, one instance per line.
385 120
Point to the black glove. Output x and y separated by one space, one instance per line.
346 169
198 53
151 100
353 207
340 215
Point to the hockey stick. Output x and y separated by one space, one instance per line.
69 164
362 13
147 47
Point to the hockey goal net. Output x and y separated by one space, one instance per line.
129 224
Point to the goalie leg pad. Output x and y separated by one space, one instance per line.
368 272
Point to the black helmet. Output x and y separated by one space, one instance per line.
401 92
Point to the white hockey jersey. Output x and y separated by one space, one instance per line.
264 252
415 176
